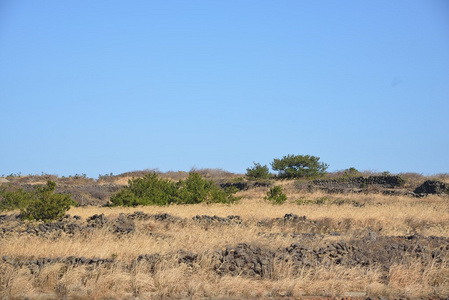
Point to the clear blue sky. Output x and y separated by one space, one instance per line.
113 86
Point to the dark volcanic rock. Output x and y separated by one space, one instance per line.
123 225
432 187
246 260
246 185
252 261
229 220
187 258
48 228
97 221
139 215
293 218
241 186
166 218
360 184
385 181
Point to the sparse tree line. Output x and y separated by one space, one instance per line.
290 166
42 203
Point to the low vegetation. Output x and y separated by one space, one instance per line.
174 235
41 203
276 195
154 190
258 172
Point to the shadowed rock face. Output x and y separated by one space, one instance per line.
432 187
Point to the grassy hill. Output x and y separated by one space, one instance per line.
332 238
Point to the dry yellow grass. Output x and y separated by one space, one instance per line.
387 215
396 215
184 282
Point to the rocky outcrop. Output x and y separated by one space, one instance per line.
432 187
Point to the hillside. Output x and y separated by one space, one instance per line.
367 236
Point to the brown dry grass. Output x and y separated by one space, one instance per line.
185 282
389 215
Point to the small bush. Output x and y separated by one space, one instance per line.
148 190
258 172
13 199
351 172
45 205
195 189
276 195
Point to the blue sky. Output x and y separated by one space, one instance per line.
112 86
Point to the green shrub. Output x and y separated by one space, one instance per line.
296 166
195 189
153 190
45 205
148 190
16 199
276 195
351 172
258 172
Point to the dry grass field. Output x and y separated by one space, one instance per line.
315 245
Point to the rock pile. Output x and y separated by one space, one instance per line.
122 225
67 225
357 184
245 260
139 215
48 228
252 261
229 220
166 218
432 187
291 220
35 265
97 221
